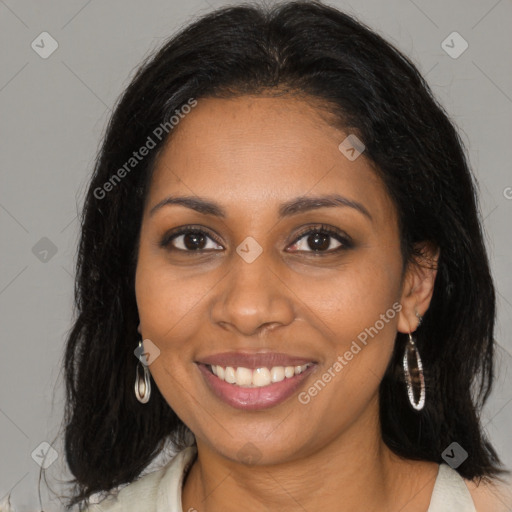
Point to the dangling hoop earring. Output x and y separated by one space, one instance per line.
412 349
142 382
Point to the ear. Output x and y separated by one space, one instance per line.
418 286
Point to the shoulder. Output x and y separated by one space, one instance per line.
141 492
491 495
144 493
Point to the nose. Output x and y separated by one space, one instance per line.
252 298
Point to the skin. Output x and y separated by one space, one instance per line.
249 155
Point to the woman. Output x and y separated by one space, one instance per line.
282 273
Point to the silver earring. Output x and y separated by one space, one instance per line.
410 350
142 382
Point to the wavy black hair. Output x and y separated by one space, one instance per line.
371 89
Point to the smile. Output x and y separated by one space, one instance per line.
254 389
259 377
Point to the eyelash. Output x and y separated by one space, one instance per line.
345 240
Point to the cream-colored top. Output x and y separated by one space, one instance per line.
160 491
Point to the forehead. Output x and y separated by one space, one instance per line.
262 151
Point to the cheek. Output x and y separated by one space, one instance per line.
354 297
359 305
356 309
166 300
171 304
168 310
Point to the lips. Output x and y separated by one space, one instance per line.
254 360
227 376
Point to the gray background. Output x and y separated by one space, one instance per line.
54 111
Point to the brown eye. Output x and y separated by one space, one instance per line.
321 240
190 240
193 241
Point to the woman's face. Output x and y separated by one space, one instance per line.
253 291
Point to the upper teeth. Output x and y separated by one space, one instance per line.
259 377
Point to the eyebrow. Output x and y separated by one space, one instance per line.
293 207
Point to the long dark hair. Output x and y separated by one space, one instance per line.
372 90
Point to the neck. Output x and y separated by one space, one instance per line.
353 472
